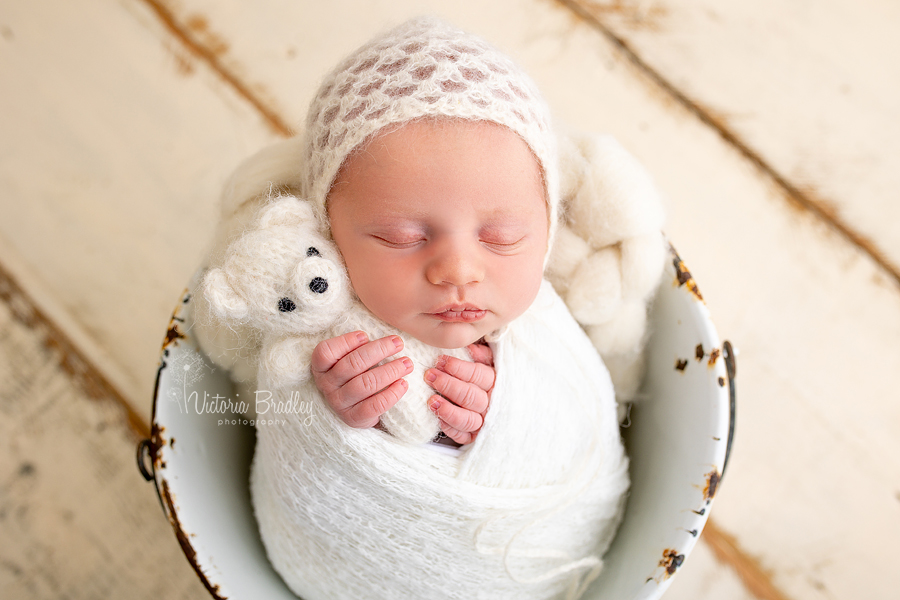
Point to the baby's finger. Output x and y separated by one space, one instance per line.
460 419
363 358
460 437
366 413
471 372
368 384
481 353
464 394
329 352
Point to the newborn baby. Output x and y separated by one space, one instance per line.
430 161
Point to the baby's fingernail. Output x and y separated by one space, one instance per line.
407 363
441 361
404 384
430 376
435 404
397 342
362 337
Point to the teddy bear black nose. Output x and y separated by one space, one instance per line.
319 285
286 305
312 251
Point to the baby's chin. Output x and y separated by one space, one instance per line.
450 336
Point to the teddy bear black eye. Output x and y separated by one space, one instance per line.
319 285
312 251
286 305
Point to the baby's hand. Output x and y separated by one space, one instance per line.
359 394
465 392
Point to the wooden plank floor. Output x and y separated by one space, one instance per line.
773 131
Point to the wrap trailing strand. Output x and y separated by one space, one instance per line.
527 510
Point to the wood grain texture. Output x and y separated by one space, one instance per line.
114 153
805 91
76 519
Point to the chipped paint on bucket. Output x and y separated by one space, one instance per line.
678 442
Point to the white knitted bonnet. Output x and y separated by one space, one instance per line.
422 68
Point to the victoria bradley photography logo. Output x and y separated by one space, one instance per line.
189 369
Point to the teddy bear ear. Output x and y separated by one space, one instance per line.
286 211
223 299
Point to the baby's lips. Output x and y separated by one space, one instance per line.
461 316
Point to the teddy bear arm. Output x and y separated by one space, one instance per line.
285 362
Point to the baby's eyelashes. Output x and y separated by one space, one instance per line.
503 245
400 241
499 241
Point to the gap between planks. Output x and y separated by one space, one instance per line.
798 197
209 55
72 360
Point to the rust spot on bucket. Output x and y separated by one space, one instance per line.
721 382
157 441
184 540
683 277
172 335
156 436
712 484
714 355
681 364
671 560
699 353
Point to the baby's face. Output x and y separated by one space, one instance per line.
443 227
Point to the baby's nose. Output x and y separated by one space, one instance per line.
454 265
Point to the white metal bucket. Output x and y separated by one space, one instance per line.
678 441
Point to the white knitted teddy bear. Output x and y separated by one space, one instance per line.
284 280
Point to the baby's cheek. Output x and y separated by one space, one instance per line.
525 282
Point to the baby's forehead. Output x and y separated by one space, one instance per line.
408 211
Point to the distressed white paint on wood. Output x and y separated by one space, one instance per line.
812 487
76 519
111 160
811 86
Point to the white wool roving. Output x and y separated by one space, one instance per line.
610 251
526 511
285 282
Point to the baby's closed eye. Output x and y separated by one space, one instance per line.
504 240
400 239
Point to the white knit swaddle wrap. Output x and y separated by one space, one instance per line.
524 512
